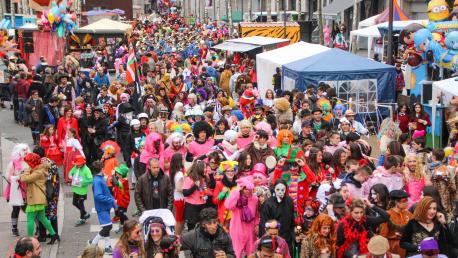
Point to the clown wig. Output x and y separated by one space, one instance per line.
202 126
282 134
228 164
321 242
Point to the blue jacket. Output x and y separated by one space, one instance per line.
103 200
100 80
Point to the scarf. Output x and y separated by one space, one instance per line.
259 146
242 203
227 183
354 232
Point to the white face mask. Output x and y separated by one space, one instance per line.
280 190
129 116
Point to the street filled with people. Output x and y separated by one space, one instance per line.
179 132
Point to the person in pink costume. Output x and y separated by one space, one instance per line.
388 175
203 142
154 147
246 134
244 206
15 168
414 177
176 144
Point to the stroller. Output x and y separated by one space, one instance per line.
165 214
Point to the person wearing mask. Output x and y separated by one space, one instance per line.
27 247
209 239
153 189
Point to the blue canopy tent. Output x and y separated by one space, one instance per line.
360 82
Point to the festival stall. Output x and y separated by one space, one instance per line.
357 79
254 45
271 29
267 62
442 91
104 34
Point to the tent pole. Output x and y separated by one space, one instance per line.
390 34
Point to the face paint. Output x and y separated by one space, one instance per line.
280 190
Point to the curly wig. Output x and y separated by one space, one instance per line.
282 134
202 126
322 242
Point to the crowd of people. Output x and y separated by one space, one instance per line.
288 174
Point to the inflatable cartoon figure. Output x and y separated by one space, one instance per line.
247 102
438 10
449 58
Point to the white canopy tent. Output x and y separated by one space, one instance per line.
370 33
105 26
258 40
267 62
444 90
367 22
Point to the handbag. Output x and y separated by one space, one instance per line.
15 194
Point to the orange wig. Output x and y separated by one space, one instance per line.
322 242
282 134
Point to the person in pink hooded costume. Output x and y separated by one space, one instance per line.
154 147
244 206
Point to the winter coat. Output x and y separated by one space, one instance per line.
36 184
144 194
100 125
258 155
34 110
202 245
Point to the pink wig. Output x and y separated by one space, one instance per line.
246 182
153 148
264 126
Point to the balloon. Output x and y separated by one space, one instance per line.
60 30
58 19
51 18
62 8
70 3
53 4
55 11
73 17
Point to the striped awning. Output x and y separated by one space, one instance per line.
398 14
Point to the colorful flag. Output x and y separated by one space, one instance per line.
132 67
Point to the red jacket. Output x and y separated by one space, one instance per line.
220 203
22 88
303 186
62 128
122 196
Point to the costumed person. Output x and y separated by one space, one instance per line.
175 145
246 134
222 190
123 128
261 190
298 177
353 229
414 177
229 144
103 202
15 191
121 193
339 40
153 148
135 137
81 178
283 111
279 207
203 142
443 179
284 141
50 144
35 177
247 102
73 148
320 240
399 217
244 206
196 192
109 160
311 211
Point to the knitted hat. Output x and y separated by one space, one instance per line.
122 170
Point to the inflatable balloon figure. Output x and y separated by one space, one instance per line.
247 102
446 58
58 19
4 32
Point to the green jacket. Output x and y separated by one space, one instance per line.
86 179
282 152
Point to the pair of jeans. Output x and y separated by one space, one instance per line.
21 110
